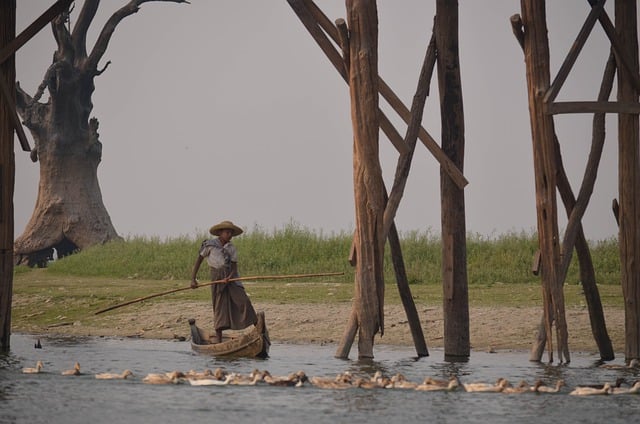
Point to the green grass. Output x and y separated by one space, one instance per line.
504 259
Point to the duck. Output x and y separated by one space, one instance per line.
344 377
428 386
341 381
540 387
246 380
435 381
211 381
296 379
174 377
378 377
327 383
522 387
38 368
499 385
589 391
114 376
632 364
218 374
195 375
380 380
399 381
366 383
619 382
635 388
74 371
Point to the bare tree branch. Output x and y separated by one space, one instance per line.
104 68
109 27
23 99
63 38
79 34
31 112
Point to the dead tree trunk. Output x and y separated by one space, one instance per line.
454 248
7 173
69 213
362 18
629 179
536 48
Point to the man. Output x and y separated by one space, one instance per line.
232 308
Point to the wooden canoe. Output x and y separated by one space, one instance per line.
249 343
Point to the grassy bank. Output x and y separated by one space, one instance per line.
293 250
75 287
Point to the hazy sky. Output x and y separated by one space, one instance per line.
227 109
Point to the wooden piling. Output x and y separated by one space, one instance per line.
574 233
362 20
454 246
536 47
7 171
629 175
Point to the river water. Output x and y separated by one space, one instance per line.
50 397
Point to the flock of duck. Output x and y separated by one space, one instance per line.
346 380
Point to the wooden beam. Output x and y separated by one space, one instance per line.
619 48
368 183
13 115
577 46
516 28
10 48
13 46
626 15
587 272
336 59
7 179
405 293
592 107
536 49
574 234
404 161
455 288
395 102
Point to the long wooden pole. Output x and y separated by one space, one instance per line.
256 277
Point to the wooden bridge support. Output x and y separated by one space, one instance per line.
9 121
454 234
7 170
536 48
629 175
362 19
575 208
316 22
624 42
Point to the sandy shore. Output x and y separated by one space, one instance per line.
490 328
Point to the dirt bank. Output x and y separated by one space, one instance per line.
491 328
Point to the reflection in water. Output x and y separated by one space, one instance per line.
82 399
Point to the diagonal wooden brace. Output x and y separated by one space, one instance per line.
618 48
5 94
26 35
394 101
9 50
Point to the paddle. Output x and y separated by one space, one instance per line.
257 277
